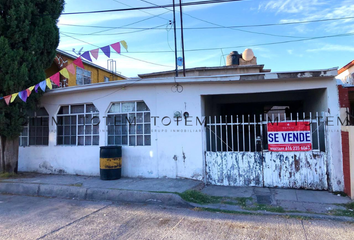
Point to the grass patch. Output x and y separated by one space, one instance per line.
7 175
348 212
262 207
342 194
198 197
76 185
239 201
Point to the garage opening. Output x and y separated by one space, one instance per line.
237 139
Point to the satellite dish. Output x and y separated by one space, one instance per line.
248 55
179 61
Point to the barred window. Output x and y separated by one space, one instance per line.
78 125
83 76
128 123
36 131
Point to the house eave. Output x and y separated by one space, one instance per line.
251 77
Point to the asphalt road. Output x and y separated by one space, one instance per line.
45 218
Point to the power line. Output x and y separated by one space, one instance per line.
140 10
152 7
111 34
237 26
247 31
251 45
120 54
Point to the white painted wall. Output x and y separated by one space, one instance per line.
158 160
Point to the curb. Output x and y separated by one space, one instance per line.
91 194
266 213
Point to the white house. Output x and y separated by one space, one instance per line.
210 125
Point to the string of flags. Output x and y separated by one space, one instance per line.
106 50
23 95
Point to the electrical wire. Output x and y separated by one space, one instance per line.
151 7
250 45
112 34
120 54
237 26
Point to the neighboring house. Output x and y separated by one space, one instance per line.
345 81
91 74
211 125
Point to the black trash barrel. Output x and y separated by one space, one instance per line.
110 162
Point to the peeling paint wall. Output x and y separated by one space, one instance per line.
234 168
295 170
286 170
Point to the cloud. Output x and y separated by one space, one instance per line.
291 6
332 48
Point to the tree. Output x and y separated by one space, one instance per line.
29 37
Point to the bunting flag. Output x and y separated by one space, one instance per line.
36 87
65 73
49 83
87 56
28 92
13 97
124 44
94 53
116 47
56 78
7 99
71 69
23 95
43 85
107 51
78 62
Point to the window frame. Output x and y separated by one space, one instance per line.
28 129
77 125
128 125
78 69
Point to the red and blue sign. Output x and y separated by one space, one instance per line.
289 137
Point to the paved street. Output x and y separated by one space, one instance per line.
47 218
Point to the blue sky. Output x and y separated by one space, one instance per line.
142 45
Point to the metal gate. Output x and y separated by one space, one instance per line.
237 153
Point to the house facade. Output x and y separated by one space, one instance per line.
211 125
91 74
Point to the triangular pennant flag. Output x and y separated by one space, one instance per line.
56 78
116 46
94 53
43 85
28 92
49 83
13 97
71 68
36 87
31 88
23 95
65 73
87 56
78 62
7 99
124 44
106 50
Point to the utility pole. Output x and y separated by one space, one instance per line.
182 39
174 28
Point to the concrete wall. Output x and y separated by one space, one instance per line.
176 151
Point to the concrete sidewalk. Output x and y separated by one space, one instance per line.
137 190
167 192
